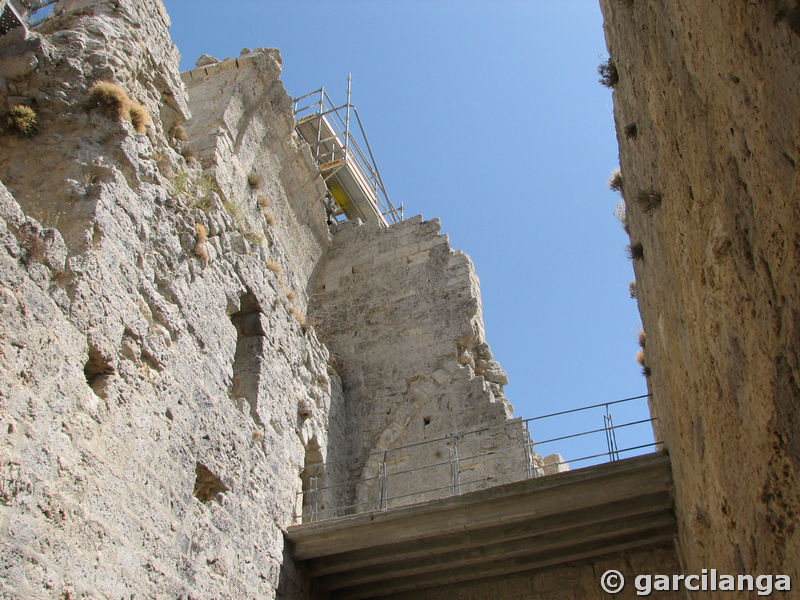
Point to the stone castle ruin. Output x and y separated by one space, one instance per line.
192 360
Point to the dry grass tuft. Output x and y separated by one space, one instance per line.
269 219
274 267
632 289
299 316
179 133
110 97
615 181
254 238
257 435
642 338
233 210
138 115
263 202
114 100
640 357
254 180
290 295
648 201
202 232
205 185
189 155
636 251
22 120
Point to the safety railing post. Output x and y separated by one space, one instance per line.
611 437
319 125
347 117
454 464
313 492
382 483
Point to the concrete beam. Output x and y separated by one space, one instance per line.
497 531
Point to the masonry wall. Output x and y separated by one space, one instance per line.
708 118
576 581
163 392
160 396
400 311
242 131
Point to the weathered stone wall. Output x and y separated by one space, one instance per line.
86 41
163 396
577 581
243 131
400 311
159 393
708 121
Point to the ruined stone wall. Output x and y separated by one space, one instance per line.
708 122
400 311
242 130
160 395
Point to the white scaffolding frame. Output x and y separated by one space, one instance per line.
350 172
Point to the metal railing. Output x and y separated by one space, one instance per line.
344 146
500 454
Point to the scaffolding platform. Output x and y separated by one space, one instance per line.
16 14
11 16
344 158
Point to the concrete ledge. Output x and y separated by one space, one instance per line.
497 531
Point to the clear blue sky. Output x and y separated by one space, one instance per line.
489 116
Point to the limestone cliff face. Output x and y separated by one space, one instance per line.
708 122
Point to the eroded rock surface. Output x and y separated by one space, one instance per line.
708 123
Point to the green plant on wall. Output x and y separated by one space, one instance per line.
22 120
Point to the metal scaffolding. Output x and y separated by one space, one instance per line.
350 173
18 13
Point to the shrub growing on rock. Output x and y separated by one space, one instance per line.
609 76
22 120
615 181
636 251
648 201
